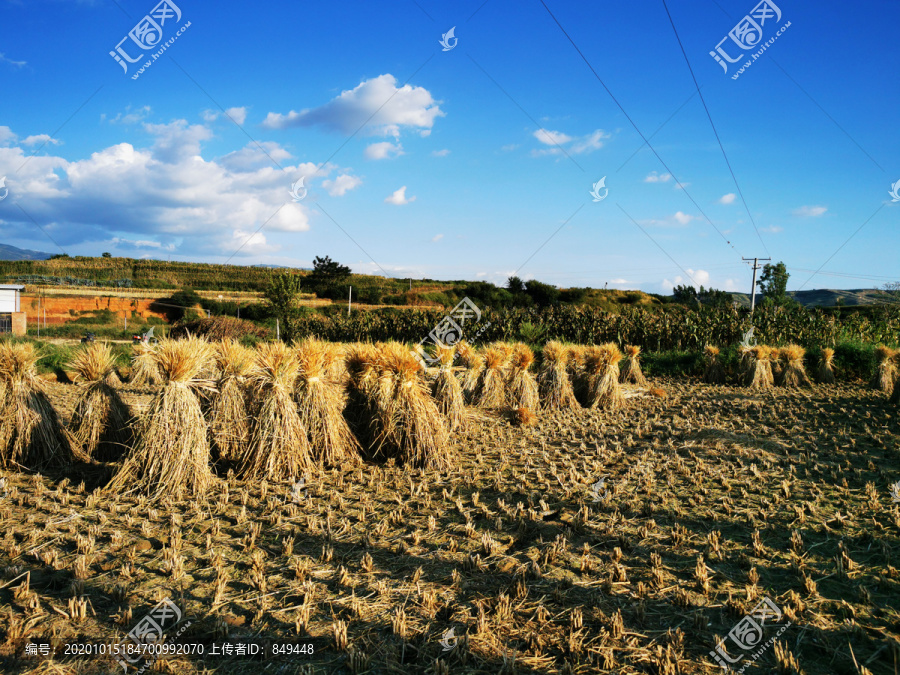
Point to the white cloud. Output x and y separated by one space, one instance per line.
809 211
254 155
440 153
239 115
40 138
130 117
399 197
681 186
683 218
437 237
383 150
727 199
548 137
696 278
6 135
342 184
510 147
377 104
593 141
653 177
774 229
16 64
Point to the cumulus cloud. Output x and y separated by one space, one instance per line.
557 139
809 211
727 199
164 195
654 177
398 198
683 218
238 115
383 150
696 279
342 184
40 138
130 116
377 104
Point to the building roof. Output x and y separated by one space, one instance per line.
11 287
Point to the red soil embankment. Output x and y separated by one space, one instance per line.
61 309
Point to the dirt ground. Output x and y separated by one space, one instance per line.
626 542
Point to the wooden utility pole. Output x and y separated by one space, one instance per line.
756 266
349 300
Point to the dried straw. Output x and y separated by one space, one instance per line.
491 392
412 427
631 370
524 417
31 435
793 373
602 368
447 391
229 418
761 376
553 380
521 387
171 455
825 373
100 427
321 402
715 371
278 447
144 370
885 370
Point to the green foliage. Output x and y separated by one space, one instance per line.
542 294
282 293
515 285
773 284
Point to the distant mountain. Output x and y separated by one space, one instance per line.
826 297
13 253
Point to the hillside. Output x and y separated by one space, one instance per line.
827 297
12 253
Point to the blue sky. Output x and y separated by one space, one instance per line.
472 163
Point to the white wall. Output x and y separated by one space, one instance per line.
8 301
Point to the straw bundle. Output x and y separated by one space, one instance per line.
715 372
885 370
491 391
278 447
524 417
31 435
321 402
447 391
602 369
522 388
760 375
553 381
144 370
100 424
229 421
793 373
825 373
474 364
412 425
631 371
171 456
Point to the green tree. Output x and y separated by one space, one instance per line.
773 284
327 276
107 254
515 285
281 293
542 294
685 295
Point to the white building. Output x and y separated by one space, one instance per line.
12 318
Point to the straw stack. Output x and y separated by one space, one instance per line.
474 367
31 435
171 454
553 379
631 370
229 419
491 392
715 371
602 369
278 447
321 401
885 369
447 391
522 388
793 374
100 427
144 370
825 373
761 376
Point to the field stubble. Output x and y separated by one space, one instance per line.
713 498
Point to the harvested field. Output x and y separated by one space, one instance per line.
621 541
